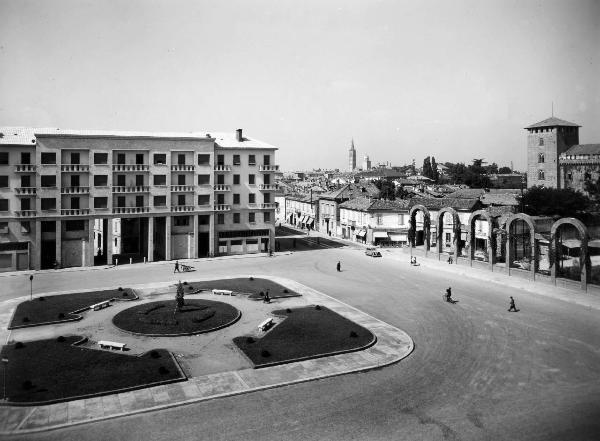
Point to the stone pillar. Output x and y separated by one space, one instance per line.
109 241
91 243
195 237
168 222
150 256
212 235
508 250
37 249
534 255
58 252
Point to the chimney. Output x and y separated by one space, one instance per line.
238 135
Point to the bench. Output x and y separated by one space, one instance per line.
266 324
225 292
111 345
100 305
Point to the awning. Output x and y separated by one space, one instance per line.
594 243
361 233
571 243
302 219
396 237
310 221
380 235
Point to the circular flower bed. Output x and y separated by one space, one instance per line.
161 318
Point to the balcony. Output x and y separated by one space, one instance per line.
182 167
222 168
74 190
130 210
222 207
130 167
75 168
101 209
24 168
222 187
182 208
25 191
182 188
131 189
74 211
268 205
268 187
268 168
25 213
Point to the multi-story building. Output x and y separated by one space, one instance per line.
64 194
328 211
579 166
301 210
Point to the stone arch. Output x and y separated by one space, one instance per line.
584 258
456 227
532 230
412 233
490 237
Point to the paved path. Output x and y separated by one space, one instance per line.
392 345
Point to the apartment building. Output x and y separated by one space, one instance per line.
65 195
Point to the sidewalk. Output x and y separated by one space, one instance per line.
392 346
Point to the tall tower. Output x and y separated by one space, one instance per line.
546 140
352 157
366 163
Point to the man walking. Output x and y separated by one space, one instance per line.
512 307
176 270
339 266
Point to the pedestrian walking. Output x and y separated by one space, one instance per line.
176 270
512 307
339 266
449 295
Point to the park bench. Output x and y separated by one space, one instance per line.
225 292
265 324
100 305
111 345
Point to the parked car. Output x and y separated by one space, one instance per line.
373 252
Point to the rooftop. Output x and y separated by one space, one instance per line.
583 149
552 122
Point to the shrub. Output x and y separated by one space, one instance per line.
191 288
265 353
353 334
60 338
41 299
19 345
25 319
163 370
124 293
249 340
27 385
288 310
285 290
120 288
154 354
61 315
318 308
185 283
251 278
262 294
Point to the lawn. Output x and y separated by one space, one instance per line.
195 317
307 332
53 370
247 286
60 308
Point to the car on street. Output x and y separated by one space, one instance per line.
373 252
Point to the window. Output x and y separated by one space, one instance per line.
160 179
267 179
25 204
3 227
139 201
180 199
540 175
236 179
25 158
121 180
180 179
220 159
74 180
266 217
220 179
75 158
25 181
400 219
236 160
541 141
139 158
251 179
251 159
25 227
203 199
379 218
181 221
3 158
101 202
220 219
4 181
448 237
75 203
236 198
120 158
251 217
48 204
139 180
100 180
203 220
180 159
48 181
3 204
251 198
160 159
100 158
203 159
48 158
266 160
48 227
160 201
120 201
540 157
220 199
236 218
75 225
267 198
570 176
203 179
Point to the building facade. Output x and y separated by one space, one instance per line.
64 194
579 166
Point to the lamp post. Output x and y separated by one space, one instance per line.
31 287
4 369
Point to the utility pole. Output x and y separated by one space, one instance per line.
31 287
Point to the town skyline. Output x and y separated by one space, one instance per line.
455 81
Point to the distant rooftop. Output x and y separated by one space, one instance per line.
552 122
583 149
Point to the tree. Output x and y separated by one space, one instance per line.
179 301
542 201
427 171
504 171
435 174
386 189
401 193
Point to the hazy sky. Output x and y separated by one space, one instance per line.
406 79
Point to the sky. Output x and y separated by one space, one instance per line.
457 79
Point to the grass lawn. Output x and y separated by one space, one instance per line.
247 286
158 318
305 333
46 370
58 308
